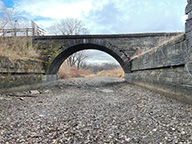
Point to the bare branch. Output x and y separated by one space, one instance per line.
68 26
71 26
10 18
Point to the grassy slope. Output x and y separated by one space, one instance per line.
18 48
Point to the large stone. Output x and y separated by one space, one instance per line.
34 92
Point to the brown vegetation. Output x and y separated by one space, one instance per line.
67 71
17 48
118 72
95 68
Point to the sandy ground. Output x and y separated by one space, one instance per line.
93 110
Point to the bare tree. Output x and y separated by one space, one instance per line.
68 26
94 68
10 18
4 15
71 26
77 59
54 30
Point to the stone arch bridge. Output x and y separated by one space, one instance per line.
55 49
167 68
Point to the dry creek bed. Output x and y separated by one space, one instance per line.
93 110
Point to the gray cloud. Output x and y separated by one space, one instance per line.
104 19
137 16
96 56
112 16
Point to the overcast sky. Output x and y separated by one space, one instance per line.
108 16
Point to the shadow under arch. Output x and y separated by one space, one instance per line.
114 52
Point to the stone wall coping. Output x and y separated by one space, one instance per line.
53 37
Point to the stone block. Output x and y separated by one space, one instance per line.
167 55
188 8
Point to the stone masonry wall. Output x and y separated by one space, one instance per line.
19 73
127 44
20 66
173 53
166 69
188 26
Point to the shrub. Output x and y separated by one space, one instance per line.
118 72
67 71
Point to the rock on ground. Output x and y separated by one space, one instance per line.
94 110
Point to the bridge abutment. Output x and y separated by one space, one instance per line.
168 68
49 78
128 77
188 25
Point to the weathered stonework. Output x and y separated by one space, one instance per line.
188 26
176 82
166 69
173 53
20 66
15 73
10 80
55 49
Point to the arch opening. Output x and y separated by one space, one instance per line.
57 62
90 63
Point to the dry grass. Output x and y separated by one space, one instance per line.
112 73
18 48
66 71
90 75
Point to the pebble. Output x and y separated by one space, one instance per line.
173 129
94 110
34 92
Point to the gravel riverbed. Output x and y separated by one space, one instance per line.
93 110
